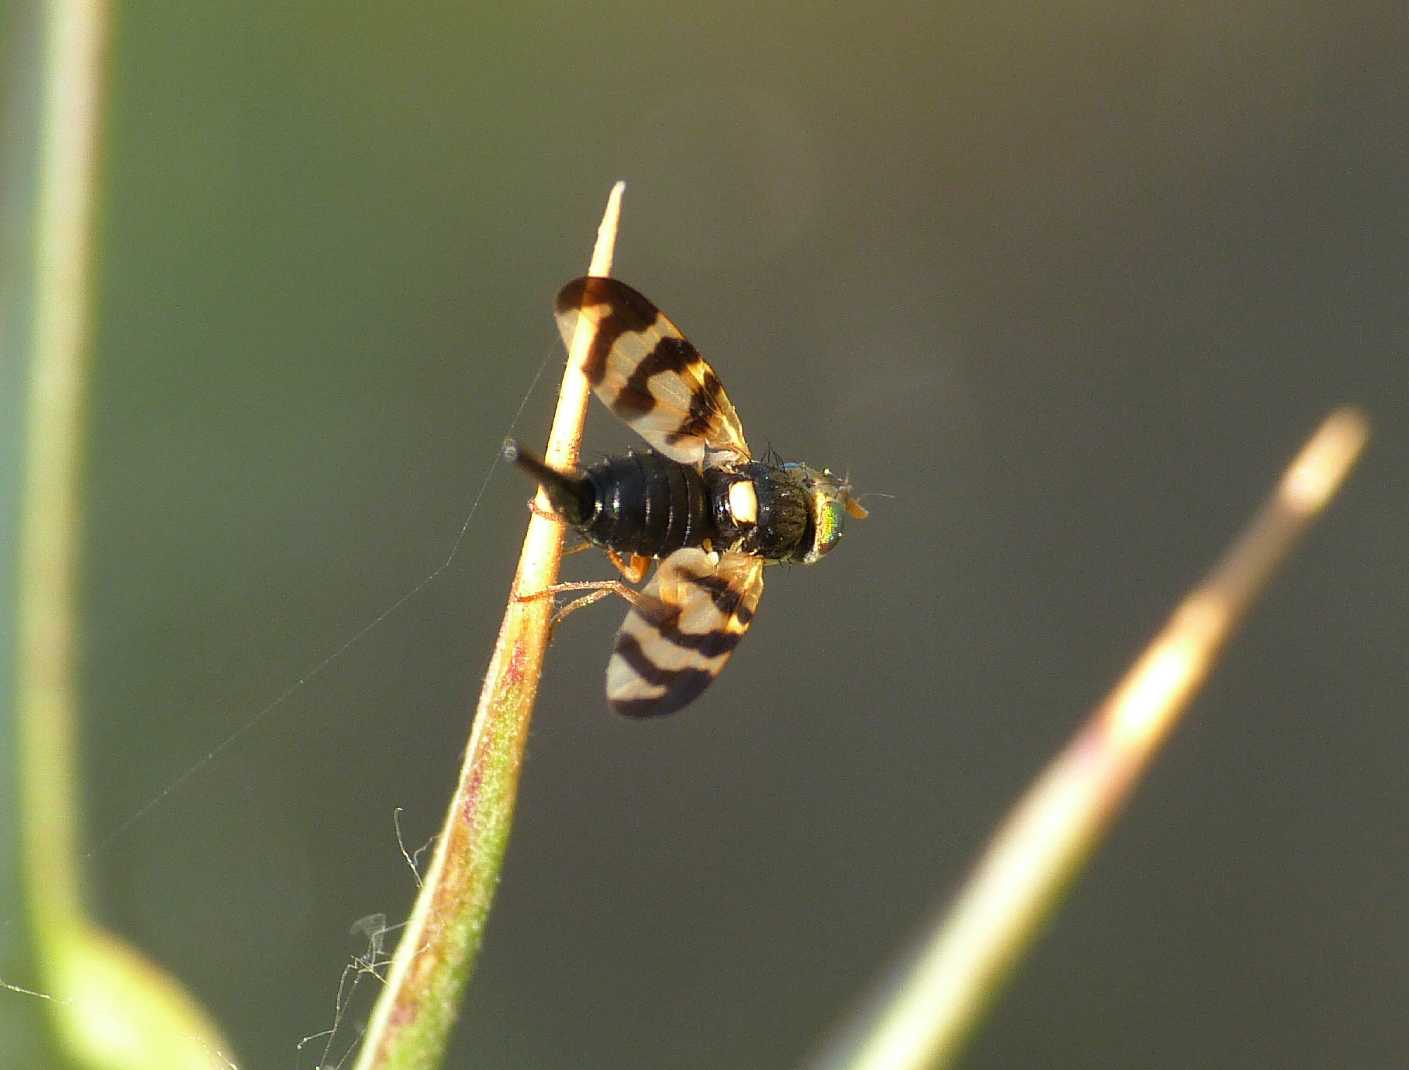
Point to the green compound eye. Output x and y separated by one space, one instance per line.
831 522
830 519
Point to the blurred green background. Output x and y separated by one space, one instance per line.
1071 282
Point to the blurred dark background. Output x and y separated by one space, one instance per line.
1070 282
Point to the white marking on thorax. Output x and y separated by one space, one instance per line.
743 502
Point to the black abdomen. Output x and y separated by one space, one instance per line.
645 503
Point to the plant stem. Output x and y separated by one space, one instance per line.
112 1009
411 1022
953 976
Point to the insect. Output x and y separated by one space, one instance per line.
697 501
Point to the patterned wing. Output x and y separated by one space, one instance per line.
666 656
647 372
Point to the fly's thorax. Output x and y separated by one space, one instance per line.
788 512
760 509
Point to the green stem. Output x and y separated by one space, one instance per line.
50 525
111 1008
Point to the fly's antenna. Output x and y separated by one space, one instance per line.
859 511
853 502
570 495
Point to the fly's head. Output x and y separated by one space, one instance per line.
829 504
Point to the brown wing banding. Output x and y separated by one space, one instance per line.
666 656
644 369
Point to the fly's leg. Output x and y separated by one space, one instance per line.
633 570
